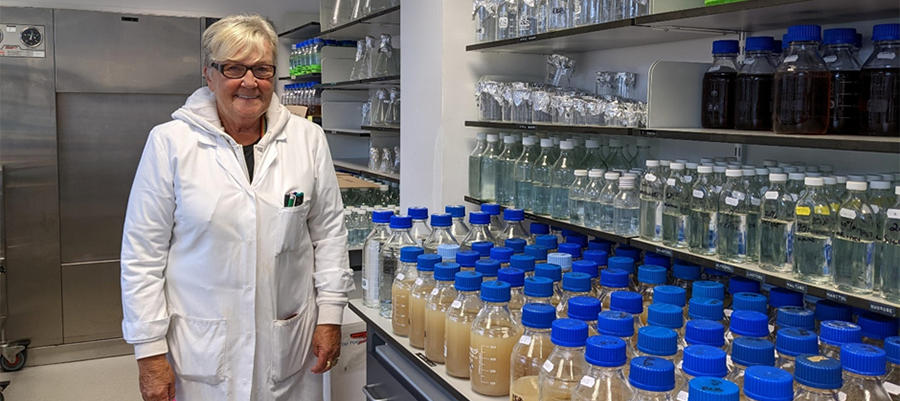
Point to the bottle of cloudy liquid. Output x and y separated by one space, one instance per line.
718 86
652 186
552 272
489 164
627 208
813 236
890 252
802 85
441 234
516 280
458 323
711 388
400 289
420 230
605 379
700 361
494 334
541 181
845 76
702 220
371 268
817 378
854 242
389 259
733 225
652 379
607 219
880 98
612 280
564 368
764 383
577 197
418 293
864 366
836 333
488 268
475 165
776 226
562 174
676 208
531 351
436 304
523 167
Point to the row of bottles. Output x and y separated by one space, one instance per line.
380 193
805 90
303 94
306 56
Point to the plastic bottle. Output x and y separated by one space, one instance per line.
854 242
875 328
566 365
475 165
573 285
733 220
494 334
531 351
627 208
793 342
700 361
418 293
516 280
817 378
436 304
812 240
717 104
577 197
890 252
612 280
539 290
880 98
458 226
561 176
765 383
802 85
776 226
845 78
747 352
616 159
652 379
458 323
864 365
402 283
552 272
753 87
892 378
702 221
389 259
676 208
371 268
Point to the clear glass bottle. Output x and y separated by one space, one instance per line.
371 263
558 15
507 19
420 230
552 272
718 96
458 323
854 242
718 179
607 202
812 240
523 168
642 153
577 197
593 159
817 378
387 63
676 208
732 223
586 309
864 367
880 97
541 179
539 290
791 343
475 165
506 168
753 89
776 228
389 260
573 285
702 220
458 226
605 379
836 333
496 225
440 234
763 383
845 76
746 323
538 252
533 348
436 304
592 208
652 379
516 280
493 336
748 176
881 198
650 277
892 378
489 168
418 292
627 208
802 85
564 368
562 174
890 252
485 17
513 227
616 159
684 274
795 185
652 185
480 231
700 361
528 23
748 352
876 327
407 274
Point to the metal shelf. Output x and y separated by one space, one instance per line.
360 166
358 133
768 138
384 21
302 78
302 32
551 128
382 128
361 84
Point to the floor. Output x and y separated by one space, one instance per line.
108 379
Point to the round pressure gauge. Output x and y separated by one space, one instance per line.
31 37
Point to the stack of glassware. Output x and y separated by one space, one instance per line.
375 58
334 13
385 160
383 107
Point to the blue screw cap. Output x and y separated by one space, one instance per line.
492 209
795 342
382 216
516 244
441 220
614 278
538 287
487 267
448 251
652 374
738 284
704 361
587 267
584 308
652 274
805 33
523 262
563 260
626 251
495 291
569 333
408 254
427 262
711 272
747 323
513 215
712 389
483 248
598 244
601 258
838 332
468 281
658 341
892 349
704 332
514 277
766 383
418 213
538 316
577 238
863 359
479 217
501 254
830 310
456 211
726 47
553 272
758 43
605 351
839 36
670 294
686 271
576 282
539 229
885 32
626 301
467 258
446 271
818 371
706 308
795 316
615 323
547 240
708 289
877 326
752 351
656 259
538 252
749 301
665 315
401 222
622 263
779 297
573 249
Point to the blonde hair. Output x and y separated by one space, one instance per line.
238 36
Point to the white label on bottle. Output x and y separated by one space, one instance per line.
698 194
456 304
893 213
434 292
682 396
848 213
875 208
892 388
10 29
794 197
525 340
771 195
886 56
548 366
830 59
754 202
842 396
790 59
670 182
503 22
714 68
650 177
731 201
418 281
749 60
588 381
401 277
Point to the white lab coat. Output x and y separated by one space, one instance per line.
217 273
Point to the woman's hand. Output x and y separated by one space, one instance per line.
157 378
326 344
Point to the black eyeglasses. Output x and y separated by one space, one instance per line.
237 71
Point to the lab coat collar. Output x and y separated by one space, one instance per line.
200 112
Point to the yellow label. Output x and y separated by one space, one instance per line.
823 210
836 206
802 211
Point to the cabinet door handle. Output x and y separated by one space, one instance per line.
369 397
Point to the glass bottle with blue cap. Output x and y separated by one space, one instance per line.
621 325
371 261
684 274
458 323
649 278
488 268
766 383
570 248
625 263
612 280
600 257
539 290
483 248
830 310
779 297
670 317
524 262
538 252
670 294
419 290
420 230
467 259
522 174
502 255
705 332
875 328
876 71
745 323
700 361
436 304
479 231
447 252
552 272
835 333
712 389
566 365
585 309
892 378
605 379
549 241
791 343
707 309
660 342
563 260
516 244
495 225
590 268
652 378
440 233
738 284
494 334
400 289
538 229
389 260
629 301
516 280
817 378
458 226
749 301
573 285
793 317
747 352
864 366
531 350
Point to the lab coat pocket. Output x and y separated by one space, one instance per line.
291 223
291 341
197 348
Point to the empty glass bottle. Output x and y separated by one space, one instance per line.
776 226
541 184
702 220
616 159
475 165
676 208
854 242
561 176
627 208
485 17
507 19
732 227
522 175
420 230
458 226
528 23
813 236
489 168
440 235
388 62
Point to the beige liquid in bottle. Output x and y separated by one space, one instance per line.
525 389
490 364
400 303
434 335
526 361
417 321
456 355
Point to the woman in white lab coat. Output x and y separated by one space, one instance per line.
234 253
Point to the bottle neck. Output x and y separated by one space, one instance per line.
425 274
645 395
531 331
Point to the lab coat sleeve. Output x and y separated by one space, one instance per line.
333 276
145 247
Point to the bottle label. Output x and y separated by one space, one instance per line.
749 60
714 68
802 211
731 201
456 304
771 195
790 59
848 213
525 340
365 284
401 276
670 182
698 194
830 59
588 381
503 22
547 366
650 177
886 56
434 292
893 213
892 388
682 396
755 201
418 281
823 210
875 208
